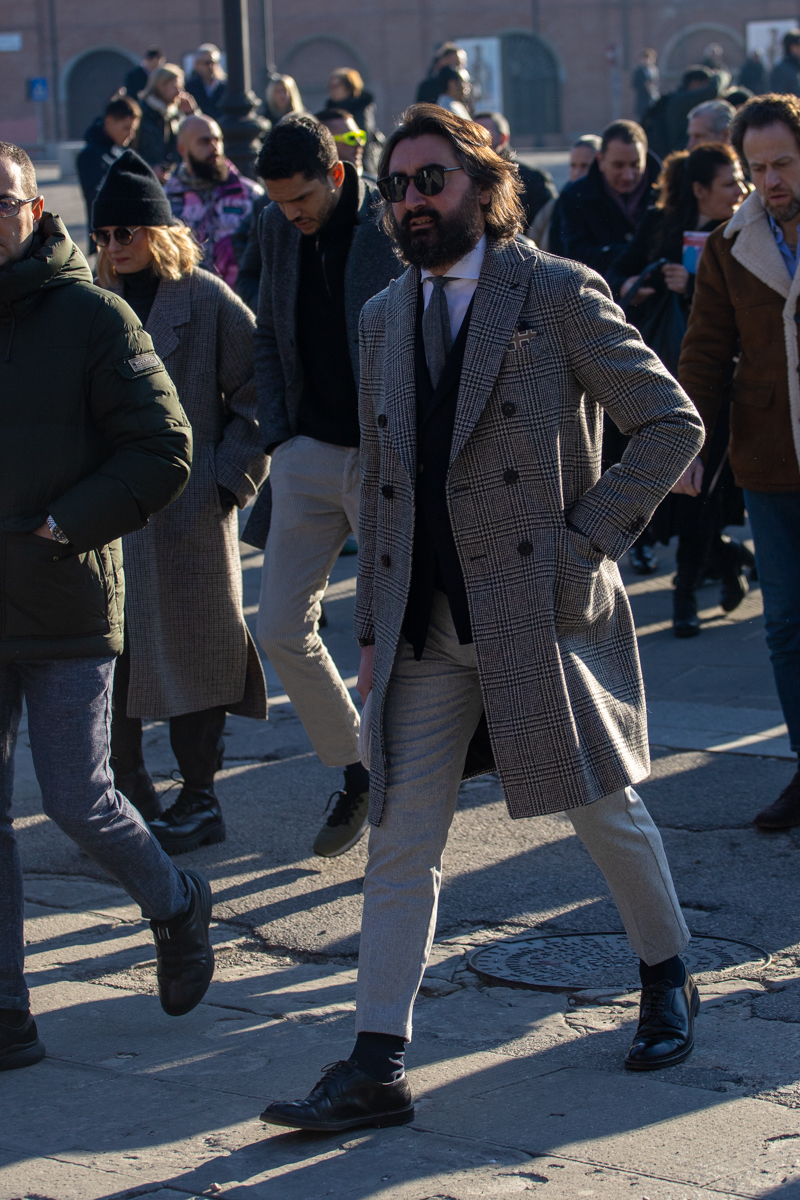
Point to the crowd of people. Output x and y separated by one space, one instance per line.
497 388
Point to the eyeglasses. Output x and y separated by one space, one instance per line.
429 181
10 205
353 137
122 236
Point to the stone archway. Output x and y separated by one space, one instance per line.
685 48
531 85
88 82
310 62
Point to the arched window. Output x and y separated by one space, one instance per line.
89 81
686 48
531 85
311 61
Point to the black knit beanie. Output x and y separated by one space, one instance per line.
130 194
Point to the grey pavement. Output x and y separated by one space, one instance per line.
517 1090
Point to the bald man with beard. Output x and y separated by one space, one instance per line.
209 195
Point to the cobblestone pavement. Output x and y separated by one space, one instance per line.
517 1090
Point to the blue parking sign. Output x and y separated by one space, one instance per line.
39 90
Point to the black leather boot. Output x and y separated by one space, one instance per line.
20 1045
195 819
685 621
184 956
735 587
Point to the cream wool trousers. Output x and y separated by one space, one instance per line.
432 709
315 491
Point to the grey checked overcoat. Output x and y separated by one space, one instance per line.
190 648
547 351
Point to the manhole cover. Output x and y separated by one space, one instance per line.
575 961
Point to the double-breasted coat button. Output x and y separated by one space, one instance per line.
388 491
382 420
420 468
508 409
386 560
638 525
511 476
525 548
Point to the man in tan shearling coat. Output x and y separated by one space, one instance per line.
743 338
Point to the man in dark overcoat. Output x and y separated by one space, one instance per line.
323 257
495 630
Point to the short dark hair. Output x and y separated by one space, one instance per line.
16 154
762 111
472 145
156 52
696 74
737 96
500 121
121 107
790 38
297 145
623 131
334 114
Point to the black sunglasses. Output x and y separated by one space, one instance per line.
122 236
429 181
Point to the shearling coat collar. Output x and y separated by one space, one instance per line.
757 251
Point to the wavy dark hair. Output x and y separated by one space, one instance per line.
676 197
761 111
504 215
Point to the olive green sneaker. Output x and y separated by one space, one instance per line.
346 825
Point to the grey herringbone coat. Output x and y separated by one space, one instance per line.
547 351
190 648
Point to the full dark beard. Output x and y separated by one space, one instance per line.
446 241
213 172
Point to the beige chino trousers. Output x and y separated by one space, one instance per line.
315 492
432 709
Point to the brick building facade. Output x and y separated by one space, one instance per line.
565 64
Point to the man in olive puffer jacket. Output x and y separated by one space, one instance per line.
93 440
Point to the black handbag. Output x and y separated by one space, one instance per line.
661 319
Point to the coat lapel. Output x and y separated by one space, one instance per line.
755 247
172 308
400 392
498 300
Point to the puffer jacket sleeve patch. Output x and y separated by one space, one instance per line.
140 365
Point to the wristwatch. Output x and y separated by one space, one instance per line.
57 533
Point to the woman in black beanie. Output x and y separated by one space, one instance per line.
189 657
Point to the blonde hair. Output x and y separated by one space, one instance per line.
175 253
351 77
295 103
162 75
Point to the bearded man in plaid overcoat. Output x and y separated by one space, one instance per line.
495 630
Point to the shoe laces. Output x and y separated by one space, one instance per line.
333 1071
653 1008
344 807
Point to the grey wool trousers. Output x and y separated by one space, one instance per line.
432 709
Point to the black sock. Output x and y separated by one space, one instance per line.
380 1056
14 1018
671 971
356 778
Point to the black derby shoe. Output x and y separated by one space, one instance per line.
785 812
345 1098
195 819
665 1034
685 621
184 957
20 1046
642 560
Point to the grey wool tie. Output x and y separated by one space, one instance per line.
436 329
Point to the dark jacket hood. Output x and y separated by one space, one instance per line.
96 135
54 260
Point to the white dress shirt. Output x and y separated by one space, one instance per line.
463 279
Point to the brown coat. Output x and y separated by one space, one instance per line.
745 305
